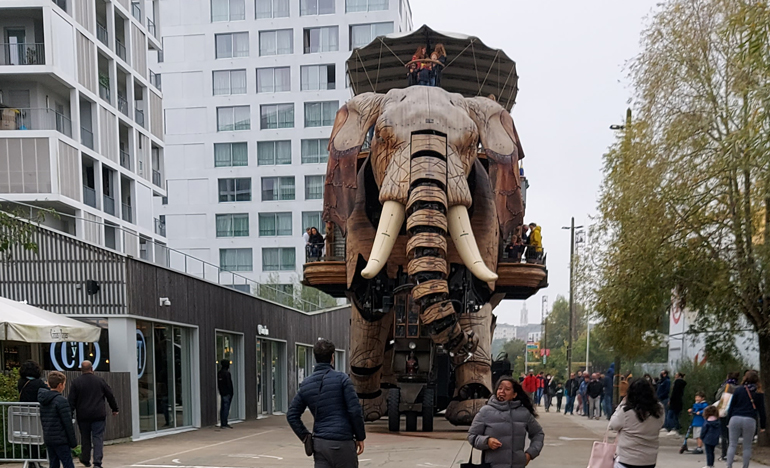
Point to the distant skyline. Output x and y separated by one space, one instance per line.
573 84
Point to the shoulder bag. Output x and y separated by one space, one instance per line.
470 463
724 401
603 453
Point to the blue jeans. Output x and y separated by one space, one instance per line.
570 406
607 406
59 455
224 410
672 420
538 396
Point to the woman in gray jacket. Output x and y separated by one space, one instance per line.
502 426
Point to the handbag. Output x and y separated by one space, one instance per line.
603 454
470 463
308 445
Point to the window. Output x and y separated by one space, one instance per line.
315 151
233 118
228 10
317 77
274 224
352 6
277 188
320 114
233 225
321 39
314 187
272 9
280 259
231 154
273 80
276 116
232 45
236 259
278 42
234 190
272 153
363 34
228 82
312 219
316 7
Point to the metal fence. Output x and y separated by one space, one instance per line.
23 54
102 34
22 433
139 116
120 50
13 118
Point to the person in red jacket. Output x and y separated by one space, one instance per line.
530 384
540 388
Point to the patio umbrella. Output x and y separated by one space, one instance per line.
23 322
472 69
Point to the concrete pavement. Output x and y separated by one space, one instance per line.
269 443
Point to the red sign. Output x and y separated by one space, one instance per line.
545 352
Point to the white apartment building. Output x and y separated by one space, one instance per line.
81 122
251 92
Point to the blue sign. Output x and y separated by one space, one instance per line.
141 353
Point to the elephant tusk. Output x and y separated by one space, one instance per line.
387 232
465 242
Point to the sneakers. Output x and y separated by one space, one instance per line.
722 458
697 451
672 432
85 463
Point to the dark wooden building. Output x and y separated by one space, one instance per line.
170 331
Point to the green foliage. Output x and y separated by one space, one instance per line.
14 231
8 385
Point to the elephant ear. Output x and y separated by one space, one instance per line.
350 126
503 149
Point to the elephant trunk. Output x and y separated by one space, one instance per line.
426 249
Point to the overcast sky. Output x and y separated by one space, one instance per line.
571 58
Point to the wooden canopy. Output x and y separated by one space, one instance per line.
472 68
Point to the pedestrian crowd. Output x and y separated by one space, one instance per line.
425 69
86 398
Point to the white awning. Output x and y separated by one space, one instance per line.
23 322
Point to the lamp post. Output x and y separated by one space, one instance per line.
544 315
572 228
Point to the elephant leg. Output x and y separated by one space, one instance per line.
473 373
367 350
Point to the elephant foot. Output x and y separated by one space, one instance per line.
374 408
461 413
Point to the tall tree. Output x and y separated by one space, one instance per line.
685 205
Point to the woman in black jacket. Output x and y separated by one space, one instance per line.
316 242
745 406
30 382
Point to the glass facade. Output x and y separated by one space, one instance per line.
271 377
163 365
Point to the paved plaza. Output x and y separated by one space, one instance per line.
270 443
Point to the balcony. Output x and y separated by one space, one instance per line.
23 54
123 105
120 50
155 80
104 91
125 160
109 205
139 116
87 137
126 213
136 11
102 35
156 178
151 27
89 196
12 118
160 227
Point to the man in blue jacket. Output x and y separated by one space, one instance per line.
664 389
338 426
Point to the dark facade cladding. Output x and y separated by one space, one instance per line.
56 279
213 307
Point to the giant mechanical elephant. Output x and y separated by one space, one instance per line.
424 165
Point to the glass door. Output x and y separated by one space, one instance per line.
15 52
182 380
228 348
271 376
262 409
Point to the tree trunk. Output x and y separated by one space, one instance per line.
764 376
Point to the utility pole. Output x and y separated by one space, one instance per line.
588 341
544 315
571 293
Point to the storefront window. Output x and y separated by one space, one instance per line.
229 348
305 362
68 356
163 366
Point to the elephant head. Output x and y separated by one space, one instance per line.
412 172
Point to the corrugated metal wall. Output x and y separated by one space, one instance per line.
25 165
69 172
156 115
86 54
109 134
138 50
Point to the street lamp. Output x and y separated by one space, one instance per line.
572 228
